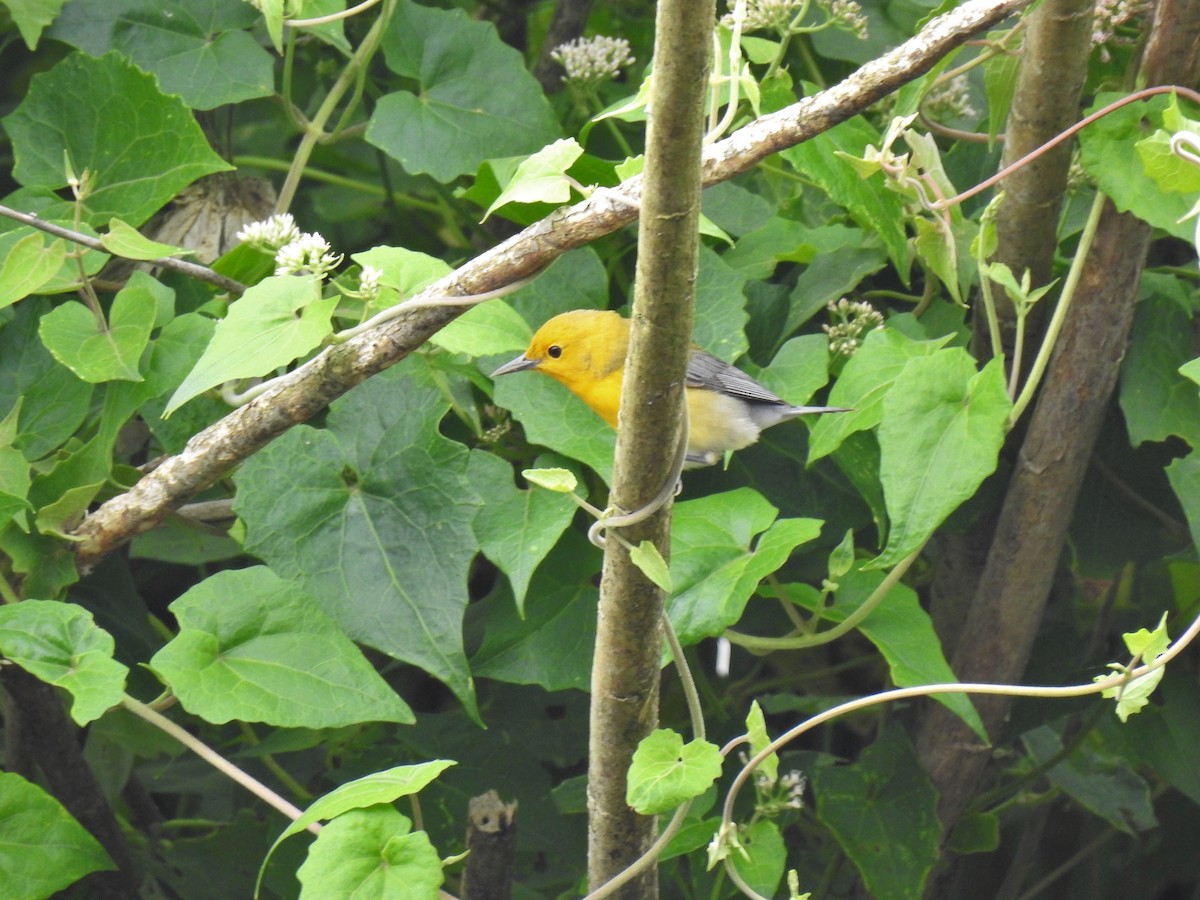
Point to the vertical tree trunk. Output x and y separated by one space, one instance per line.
625 676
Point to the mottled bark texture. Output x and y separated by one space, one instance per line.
628 653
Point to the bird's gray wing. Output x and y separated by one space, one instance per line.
706 371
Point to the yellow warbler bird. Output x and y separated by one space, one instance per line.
585 349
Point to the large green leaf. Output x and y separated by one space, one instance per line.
493 327
576 280
1156 400
551 644
1184 475
387 510
200 49
274 323
883 812
902 631
42 848
799 369
868 202
762 867
1108 153
55 399
1155 737
475 100
371 853
61 644
942 429
865 381
134 170
714 566
252 646
14 483
720 307
1096 779
515 528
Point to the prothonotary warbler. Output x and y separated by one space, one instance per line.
727 409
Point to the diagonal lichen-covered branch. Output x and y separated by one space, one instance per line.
312 386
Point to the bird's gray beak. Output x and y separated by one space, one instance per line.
520 364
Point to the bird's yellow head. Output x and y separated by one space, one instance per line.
585 350
584 344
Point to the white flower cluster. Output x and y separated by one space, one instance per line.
951 100
270 234
784 792
848 14
794 783
780 15
368 283
592 61
308 254
854 319
770 15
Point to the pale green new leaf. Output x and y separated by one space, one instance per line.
124 240
29 265
542 177
562 481
756 728
274 323
1145 646
1171 173
113 353
371 853
651 563
666 772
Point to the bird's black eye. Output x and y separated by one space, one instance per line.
554 351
